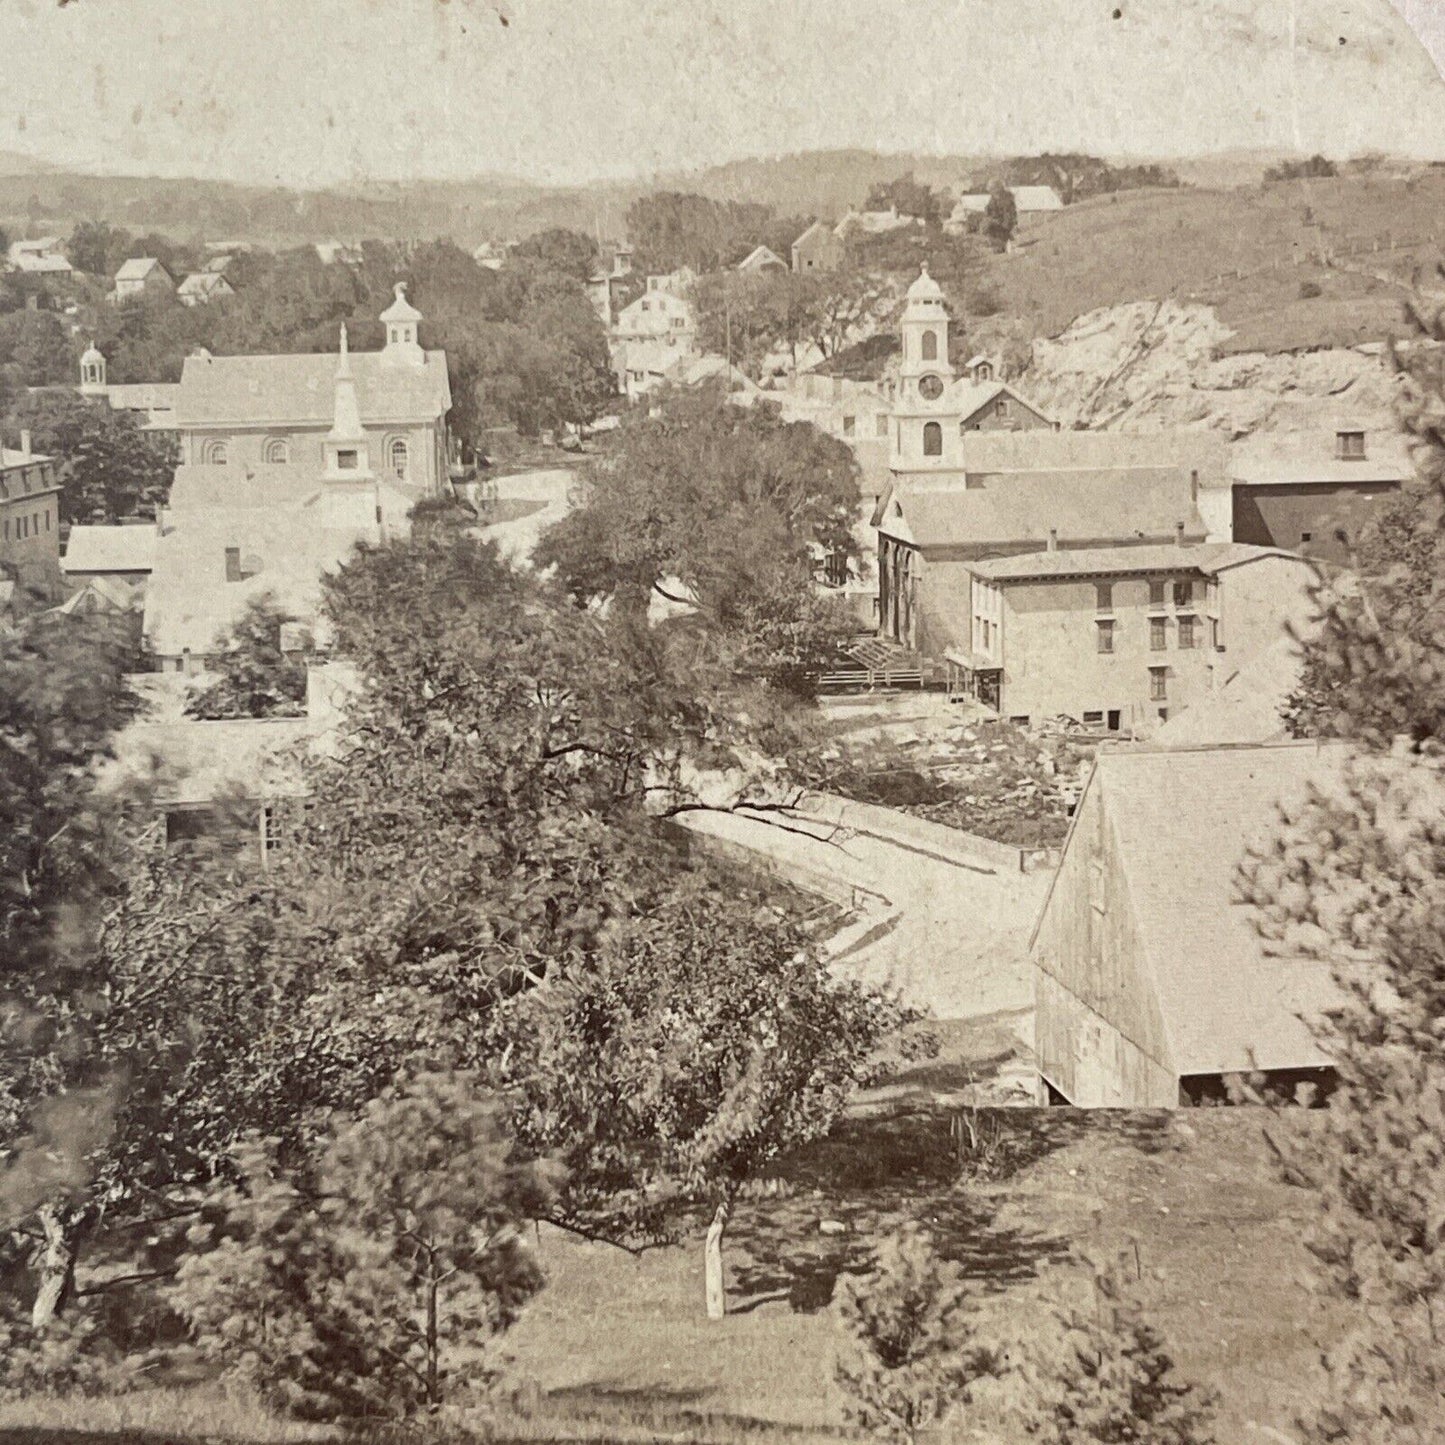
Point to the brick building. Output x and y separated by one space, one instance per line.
29 522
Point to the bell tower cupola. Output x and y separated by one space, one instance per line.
92 371
401 320
925 371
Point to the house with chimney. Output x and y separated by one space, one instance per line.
141 277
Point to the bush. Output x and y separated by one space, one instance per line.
911 1356
374 1285
1113 1380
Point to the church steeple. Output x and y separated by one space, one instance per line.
346 450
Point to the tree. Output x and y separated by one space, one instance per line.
747 317
911 198
98 248
372 1282
569 253
911 1352
1000 216
672 229
35 349
109 466
1356 880
723 507
1114 1381
258 678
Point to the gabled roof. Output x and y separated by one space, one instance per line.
969 398
138 268
1032 451
110 549
143 395
224 391
1080 506
1280 459
1037 198
1182 821
204 283
819 230
1246 709
759 257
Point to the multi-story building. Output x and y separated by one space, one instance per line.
29 521
651 333
1120 637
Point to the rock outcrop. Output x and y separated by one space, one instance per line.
1156 365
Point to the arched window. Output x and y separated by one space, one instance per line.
932 439
930 346
398 456
214 452
276 451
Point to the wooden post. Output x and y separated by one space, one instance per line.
712 1264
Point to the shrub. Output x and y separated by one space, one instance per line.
911 1355
374 1285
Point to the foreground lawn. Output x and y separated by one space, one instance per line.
617 1348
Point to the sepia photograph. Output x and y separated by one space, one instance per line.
722 721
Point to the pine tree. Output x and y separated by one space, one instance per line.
1114 1380
1356 879
911 1354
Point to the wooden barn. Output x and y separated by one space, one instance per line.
1152 985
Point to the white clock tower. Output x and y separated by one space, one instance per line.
923 437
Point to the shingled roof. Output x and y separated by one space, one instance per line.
1182 822
1207 558
1081 507
221 391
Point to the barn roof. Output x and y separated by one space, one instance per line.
1182 822
110 549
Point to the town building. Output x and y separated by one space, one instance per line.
651 333
287 462
1122 637
140 277
40 257
120 555
819 248
152 403
1029 201
761 259
1313 491
239 412
202 286
874 223
29 522
1152 983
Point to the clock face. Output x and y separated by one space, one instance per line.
930 387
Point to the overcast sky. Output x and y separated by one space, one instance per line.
308 92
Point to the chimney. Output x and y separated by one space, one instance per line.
1053 539
1179 534
233 564
1194 486
25 442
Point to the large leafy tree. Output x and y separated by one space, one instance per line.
34 348
109 466
258 677
1357 878
672 229
909 195
724 508
569 253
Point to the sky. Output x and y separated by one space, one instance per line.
318 92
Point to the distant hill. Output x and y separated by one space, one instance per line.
37 198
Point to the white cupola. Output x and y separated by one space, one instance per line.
347 458
925 370
401 320
92 371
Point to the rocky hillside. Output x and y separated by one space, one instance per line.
1153 365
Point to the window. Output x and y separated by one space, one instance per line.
1158 684
1163 714
849 424
398 456
1093 719
1183 594
346 461
276 452
1158 634
47 519
932 439
214 452
1216 634
1114 720
647 306
1020 722
1104 596
1351 445
1003 406
679 321
7 529
930 346
1306 536
1105 640
1156 593
1187 633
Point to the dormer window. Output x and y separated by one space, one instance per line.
1350 446
347 461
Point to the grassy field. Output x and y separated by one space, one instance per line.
1250 252
617 1347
